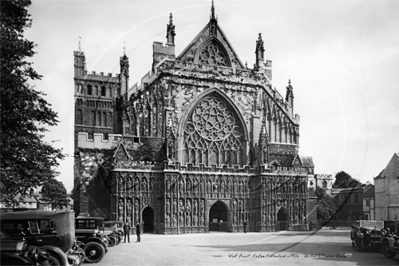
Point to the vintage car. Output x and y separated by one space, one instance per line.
390 240
53 232
14 252
367 235
113 229
89 230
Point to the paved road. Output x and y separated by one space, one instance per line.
324 247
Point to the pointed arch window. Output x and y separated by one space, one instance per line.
212 135
213 54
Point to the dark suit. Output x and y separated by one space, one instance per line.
138 232
126 232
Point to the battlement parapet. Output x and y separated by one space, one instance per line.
164 48
93 75
289 170
323 176
78 53
98 141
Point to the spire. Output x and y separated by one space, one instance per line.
170 31
263 144
259 51
212 11
79 49
289 96
263 139
213 23
124 63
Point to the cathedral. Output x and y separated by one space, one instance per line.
204 143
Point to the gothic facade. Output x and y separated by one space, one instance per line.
203 143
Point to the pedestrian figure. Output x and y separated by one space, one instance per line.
126 231
138 232
245 226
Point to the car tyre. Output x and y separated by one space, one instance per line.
54 257
94 252
53 261
111 241
385 250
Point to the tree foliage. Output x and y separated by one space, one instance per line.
27 161
344 180
326 207
55 192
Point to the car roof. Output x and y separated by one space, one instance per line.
33 214
89 218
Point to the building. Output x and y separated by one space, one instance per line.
325 181
369 203
387 191
203 143
349 202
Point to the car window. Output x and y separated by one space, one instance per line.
85 224
46 226
18 227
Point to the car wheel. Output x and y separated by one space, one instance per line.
385 250
117 240
111 241
53 261
55 257
94 252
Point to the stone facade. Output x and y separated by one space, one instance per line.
203 143
387 191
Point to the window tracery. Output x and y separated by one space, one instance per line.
211 134
213 55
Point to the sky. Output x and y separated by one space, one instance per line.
342 58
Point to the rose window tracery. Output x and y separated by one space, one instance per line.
212 135
212 55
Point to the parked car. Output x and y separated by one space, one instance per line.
15 252
89 230
113 229
390 240
53 232
366 238
367 235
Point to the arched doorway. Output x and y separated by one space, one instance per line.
148 220
282 219
218 217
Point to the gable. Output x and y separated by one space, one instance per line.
211 42
121 154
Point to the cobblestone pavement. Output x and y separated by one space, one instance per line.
323 247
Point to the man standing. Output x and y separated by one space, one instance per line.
138 232
126 231
245 226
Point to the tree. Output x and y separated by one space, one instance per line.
344 180
26 161
326 207
55 193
